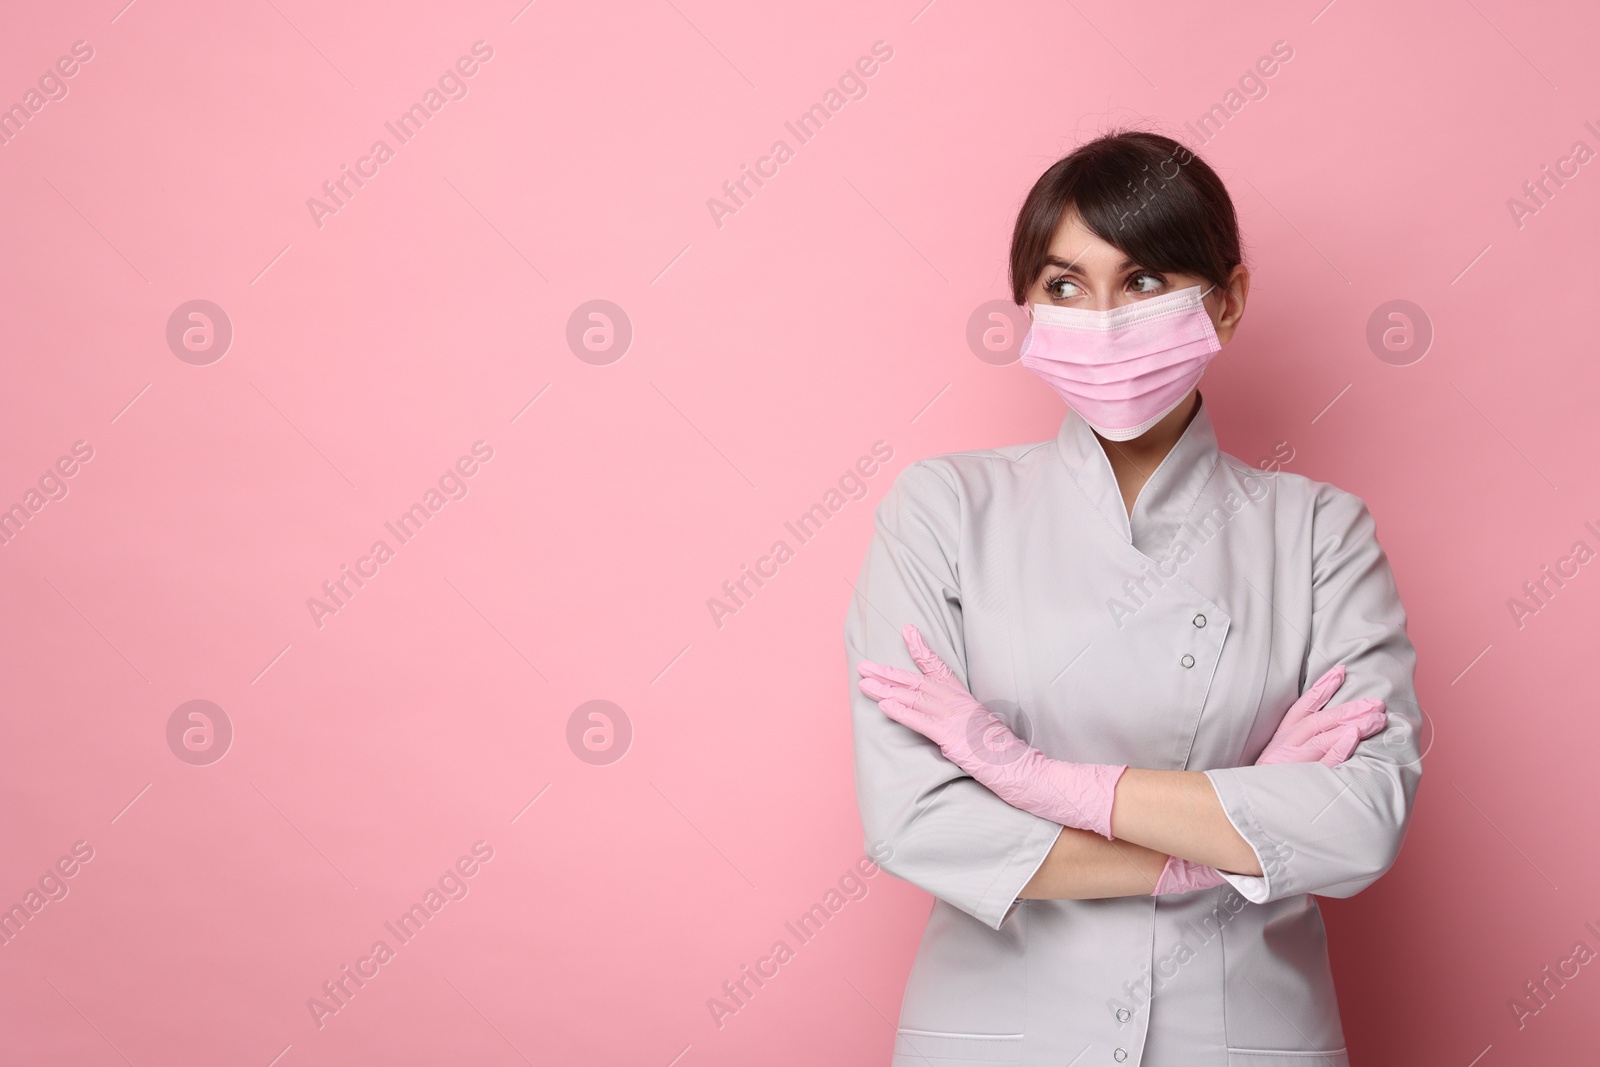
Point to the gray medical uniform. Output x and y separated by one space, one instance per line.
1176 639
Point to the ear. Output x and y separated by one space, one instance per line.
1233 301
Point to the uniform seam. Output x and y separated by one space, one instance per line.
1072 476
1272 628
991 453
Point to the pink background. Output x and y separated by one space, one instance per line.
829 312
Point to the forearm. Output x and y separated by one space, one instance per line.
1156 814
1178 813
1082 865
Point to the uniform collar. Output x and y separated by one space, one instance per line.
1167 497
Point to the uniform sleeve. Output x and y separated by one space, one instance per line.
938 828
1334 831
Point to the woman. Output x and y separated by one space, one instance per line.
1127 882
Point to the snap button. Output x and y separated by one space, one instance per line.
1187 660
1123 1014
1120 1055
1199 620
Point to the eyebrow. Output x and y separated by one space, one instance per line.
1057 261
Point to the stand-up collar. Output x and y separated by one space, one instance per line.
1167 497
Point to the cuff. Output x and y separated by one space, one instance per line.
1023 864
1257 889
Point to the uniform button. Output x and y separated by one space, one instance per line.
1123 1015
1120 1055
1187 660
1199 620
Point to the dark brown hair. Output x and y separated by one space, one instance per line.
1144 193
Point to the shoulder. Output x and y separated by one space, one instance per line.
1322 503
944 492
969 473
1335 526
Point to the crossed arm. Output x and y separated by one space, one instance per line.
1156 814
1120 824
972 846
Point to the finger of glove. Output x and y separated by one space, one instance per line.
880 690
1309 703
1165 879
1313 699
1354 711
1331 718
1182 876
1365 717
926 658
1372 722
943 700
937 688
921 689
1316 749
1294 735
889 673
927 708
1310 749
1341 745
906 715
1197 876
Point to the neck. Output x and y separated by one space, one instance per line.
1135 460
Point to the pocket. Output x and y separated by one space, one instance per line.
935 1048
1277 1057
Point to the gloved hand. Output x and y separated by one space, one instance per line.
1309 733
938 706
1080 795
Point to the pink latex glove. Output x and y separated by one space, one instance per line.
1313 733
1309 733
939 707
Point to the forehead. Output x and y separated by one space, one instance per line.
1075 244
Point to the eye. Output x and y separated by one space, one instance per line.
1156 278
1054 288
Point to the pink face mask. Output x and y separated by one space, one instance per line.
1125 368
